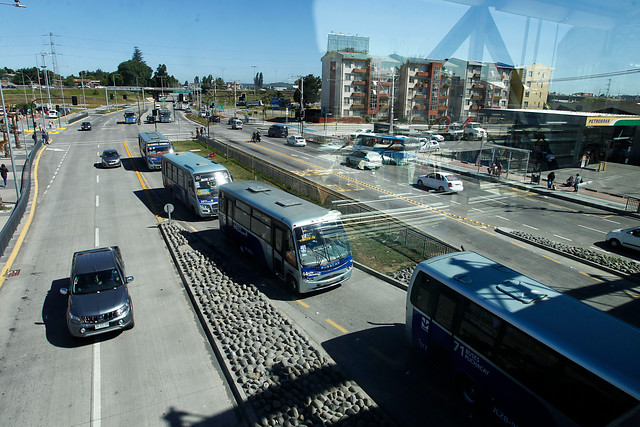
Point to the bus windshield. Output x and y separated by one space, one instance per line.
320 244
159 149
207 184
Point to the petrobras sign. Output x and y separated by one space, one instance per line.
613 121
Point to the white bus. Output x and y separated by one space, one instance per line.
195 181
527 353
303 244
152 146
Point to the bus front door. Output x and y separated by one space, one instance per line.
278 253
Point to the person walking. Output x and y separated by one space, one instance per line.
45 137
4 172
550 178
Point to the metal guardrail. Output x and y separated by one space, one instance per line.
18 211
359 219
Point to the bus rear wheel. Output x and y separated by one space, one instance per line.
469 391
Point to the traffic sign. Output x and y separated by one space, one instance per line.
182 91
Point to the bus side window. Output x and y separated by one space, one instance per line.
422 294
446 309
479 328
290 248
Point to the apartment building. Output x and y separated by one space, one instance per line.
356 84
530 86
476 85
423 90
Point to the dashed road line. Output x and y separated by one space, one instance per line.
338 327
302 303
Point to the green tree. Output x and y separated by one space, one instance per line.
162 79
137 55
311 87
134 73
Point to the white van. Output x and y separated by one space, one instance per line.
52 114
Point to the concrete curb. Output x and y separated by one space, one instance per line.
238 393
381 276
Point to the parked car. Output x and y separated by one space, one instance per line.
236 124
98 298
278 130
441 181
364 159
296 141
626 237
85 126
110 159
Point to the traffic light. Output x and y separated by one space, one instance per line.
243 97
74 100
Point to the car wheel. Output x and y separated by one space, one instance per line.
441 189
348 162
420 183
614 243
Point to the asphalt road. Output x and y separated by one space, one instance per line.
163 371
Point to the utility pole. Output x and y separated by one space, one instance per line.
393 81
56 72
255 81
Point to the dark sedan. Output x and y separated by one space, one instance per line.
85 126
111 159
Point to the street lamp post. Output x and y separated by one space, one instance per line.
84 99
115 89
255 80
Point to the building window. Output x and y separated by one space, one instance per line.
347 88
347 76
346 100
410 79
530 73
526 94
526 104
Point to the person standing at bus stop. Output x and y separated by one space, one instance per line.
4 172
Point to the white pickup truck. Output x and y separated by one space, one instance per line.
472 130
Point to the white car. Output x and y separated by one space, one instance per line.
296 141
441 181
432 135
428 144
355 134
364 159
627 237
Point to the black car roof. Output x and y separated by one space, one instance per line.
94 260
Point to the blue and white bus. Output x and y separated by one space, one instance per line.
164 116
153 145
394 149
195 181
531 355
130 117
303 244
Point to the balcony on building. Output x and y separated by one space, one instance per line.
357 106
422 74
420 96
359 70
359 82
384 83
357 94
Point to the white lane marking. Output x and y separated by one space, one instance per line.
589 228
501 217
455 203
96 409
562 237
97 238
97 178
528 226
97 200
610 220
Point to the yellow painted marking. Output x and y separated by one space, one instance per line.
192 228
551 259
23 234
302 303
594 278
338 327
518 245
631 295
144 184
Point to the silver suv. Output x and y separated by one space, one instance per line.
98 298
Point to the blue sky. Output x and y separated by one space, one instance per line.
285 38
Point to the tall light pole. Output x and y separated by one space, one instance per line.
84 100
44 125
115 88
46 78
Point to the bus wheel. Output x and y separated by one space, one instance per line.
469 391
292 285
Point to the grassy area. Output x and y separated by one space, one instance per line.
377 250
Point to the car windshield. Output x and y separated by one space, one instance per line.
96 281
110 153
320 244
